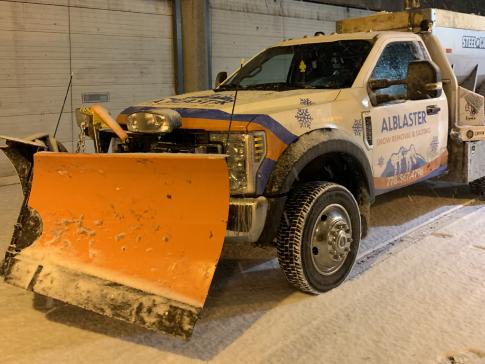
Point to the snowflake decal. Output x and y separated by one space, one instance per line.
434 145
381 162
304 117
357 127
306 102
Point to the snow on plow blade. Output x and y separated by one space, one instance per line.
131 236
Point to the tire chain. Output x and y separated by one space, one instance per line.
81 143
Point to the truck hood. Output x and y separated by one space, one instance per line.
249 104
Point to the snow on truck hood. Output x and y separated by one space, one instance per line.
251 106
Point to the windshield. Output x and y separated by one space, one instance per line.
331 65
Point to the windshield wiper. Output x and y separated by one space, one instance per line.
229 87
273 86
276 86
280 86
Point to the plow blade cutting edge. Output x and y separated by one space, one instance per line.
131 236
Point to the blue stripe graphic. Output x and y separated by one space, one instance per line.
213 114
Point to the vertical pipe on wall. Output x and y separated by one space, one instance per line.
196 41
179 49
71 75
208 41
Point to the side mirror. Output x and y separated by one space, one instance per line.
380 84
423 80
220 78
377 98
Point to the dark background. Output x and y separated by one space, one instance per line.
464 6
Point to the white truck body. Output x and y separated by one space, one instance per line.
462 36
460 39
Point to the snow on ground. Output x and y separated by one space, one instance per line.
421 303
11 200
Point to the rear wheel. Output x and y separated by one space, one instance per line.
319 236
477 187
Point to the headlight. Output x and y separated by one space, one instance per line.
160 121
245 152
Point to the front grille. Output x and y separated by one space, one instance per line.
184 136
185 141
179 141
163 147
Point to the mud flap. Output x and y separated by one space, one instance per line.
135 237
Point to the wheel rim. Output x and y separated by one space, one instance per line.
331 239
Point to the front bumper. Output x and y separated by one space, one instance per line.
247 217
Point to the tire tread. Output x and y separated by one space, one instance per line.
289 238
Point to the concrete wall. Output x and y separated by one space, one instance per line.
241 28
376 5
121 47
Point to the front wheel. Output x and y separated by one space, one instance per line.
319 236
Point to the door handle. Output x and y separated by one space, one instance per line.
432 109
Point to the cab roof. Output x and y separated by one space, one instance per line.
334 37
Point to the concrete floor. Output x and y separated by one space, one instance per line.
252 315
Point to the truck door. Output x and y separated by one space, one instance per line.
409 137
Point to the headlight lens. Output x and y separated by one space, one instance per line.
236 159
163 121
243 158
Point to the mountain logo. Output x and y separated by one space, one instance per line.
406 160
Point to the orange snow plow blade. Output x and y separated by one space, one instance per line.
132 236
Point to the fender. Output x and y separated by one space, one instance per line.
307 148
298 155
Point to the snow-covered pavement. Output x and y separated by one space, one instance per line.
421 301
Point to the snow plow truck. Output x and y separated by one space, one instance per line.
291 150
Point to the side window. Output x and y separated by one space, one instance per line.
273 70
393 65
